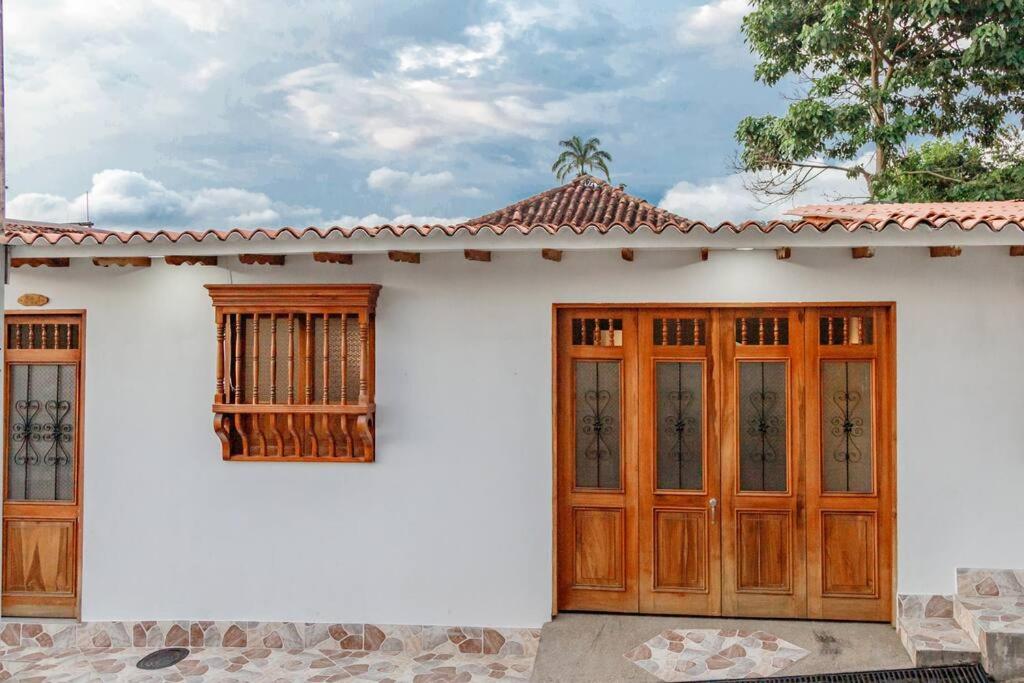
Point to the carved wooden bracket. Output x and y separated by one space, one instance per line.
862 252
477 255
1017 250
783 253
190 260
551 254
122 261
627 254
404 256
331 257
37 262
262 259
944 252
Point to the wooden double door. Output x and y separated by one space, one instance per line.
732 461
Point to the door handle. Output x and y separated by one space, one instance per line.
714 506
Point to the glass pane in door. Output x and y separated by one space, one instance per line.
41 432
846 428
680 427
762 426
598 419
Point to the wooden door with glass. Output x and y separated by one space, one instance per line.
725 460
42 509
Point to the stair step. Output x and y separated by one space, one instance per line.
997 625
935 641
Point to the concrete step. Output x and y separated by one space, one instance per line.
931 635
997 625
937 641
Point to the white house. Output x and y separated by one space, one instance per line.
578 402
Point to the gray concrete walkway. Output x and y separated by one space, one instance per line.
590 647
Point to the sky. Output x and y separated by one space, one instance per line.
224 113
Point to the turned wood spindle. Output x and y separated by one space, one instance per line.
255 359
597 332
760 331
291 358
846 331
364 336
237 382
696 331
309 359
743 330
664 331
679 331
273 360
611 332
831 330
67 338
326 364
775 331
220 360
43 329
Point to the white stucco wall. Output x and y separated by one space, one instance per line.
452 524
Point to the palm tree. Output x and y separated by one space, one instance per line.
581 157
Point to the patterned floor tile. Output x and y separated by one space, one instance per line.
707 654
102 664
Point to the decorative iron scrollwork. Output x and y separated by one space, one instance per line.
41 431
765 427
847 425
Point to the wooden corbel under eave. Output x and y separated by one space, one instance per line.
705 254
862 252
262 259
37 262
551 254
190 260
477 255
122 261
1017 250
404 256
783 253
944 252
332 257
627 255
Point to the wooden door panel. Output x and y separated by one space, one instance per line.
850 464
39 556
763 570
680 545
596 534
764 544
680 550
42 531
849 565
600 546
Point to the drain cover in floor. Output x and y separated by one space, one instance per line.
161 659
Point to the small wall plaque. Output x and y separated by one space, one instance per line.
33 300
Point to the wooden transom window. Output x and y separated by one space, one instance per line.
295 372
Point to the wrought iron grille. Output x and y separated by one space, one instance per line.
41 438
847 429
597 424
763 426
680 433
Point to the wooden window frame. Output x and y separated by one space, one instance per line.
310 427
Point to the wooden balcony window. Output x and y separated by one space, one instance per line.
295 372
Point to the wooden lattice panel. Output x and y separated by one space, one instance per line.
295 372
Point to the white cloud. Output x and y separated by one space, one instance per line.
371 116
726 199
487 41
374 219
123 199
715 28
200 16
386 179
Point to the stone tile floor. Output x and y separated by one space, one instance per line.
28 665
714 654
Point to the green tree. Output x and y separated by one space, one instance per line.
948 170
873 74
581 157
